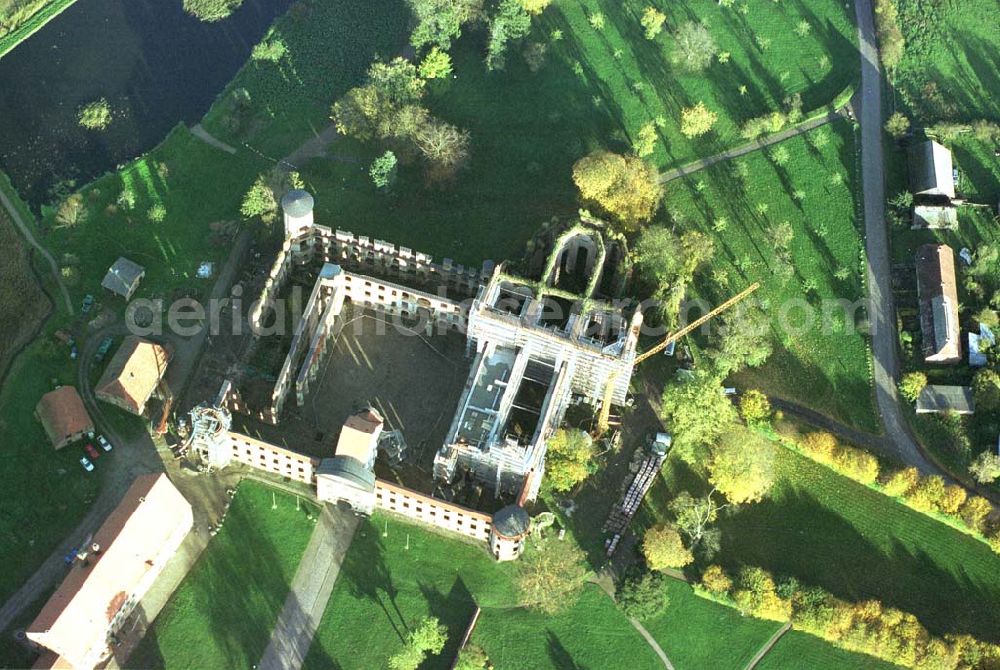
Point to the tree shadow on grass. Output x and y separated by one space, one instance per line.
454 610
797 534
368 576
559 655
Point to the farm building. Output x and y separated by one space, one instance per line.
109 578
934 217
133 374
63 416
931 170
938 296
937 399
123 278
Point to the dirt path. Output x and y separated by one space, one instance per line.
750 147
311 588
199 131
604 581
768 646
26 231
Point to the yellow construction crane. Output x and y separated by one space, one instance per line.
605 413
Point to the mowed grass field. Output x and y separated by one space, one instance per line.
826 530
697 633
222 614
773 50
951 67
821 358
592 633
796 649
385 588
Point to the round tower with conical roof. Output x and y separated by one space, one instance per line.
297 208
510 528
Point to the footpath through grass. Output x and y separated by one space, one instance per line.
796 649
385 588
222 615
826 530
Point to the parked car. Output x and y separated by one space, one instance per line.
88 302
103 441
87 465
102 351
93 453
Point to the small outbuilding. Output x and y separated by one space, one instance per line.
510 527
939 399
979 343
938 295
931 170
934 217
133 374
63 416
123 278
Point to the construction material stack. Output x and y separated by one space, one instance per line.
622 513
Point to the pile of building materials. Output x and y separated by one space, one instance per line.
635 490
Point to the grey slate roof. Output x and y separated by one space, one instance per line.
122 277
940 398
511 521
349 470
297 202
931 170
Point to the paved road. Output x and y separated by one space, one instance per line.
26 231
314 579
750 147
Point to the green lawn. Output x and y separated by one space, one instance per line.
592 633
698 633
385 588
820 361
857 543
951 67
796 649
222 615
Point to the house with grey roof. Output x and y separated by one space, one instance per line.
938 399
123 277
931 170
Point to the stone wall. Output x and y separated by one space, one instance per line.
430 510
271 458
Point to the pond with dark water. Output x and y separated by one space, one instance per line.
156 65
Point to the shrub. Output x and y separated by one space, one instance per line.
755 594
643 597
383 170
95 115
645 141
697 120
157 213
985 468
912 384
974 512
926 496
755 407
715 580
901 482
857 464
652 22
436 64
897 125
820 446
271 50
663 548
211 10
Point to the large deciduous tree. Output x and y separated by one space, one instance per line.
551 574
569 459
625 187
428 637
697 412
744 339
741 465
510 22
440 21
694 47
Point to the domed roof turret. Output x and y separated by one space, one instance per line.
297 202
511 521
